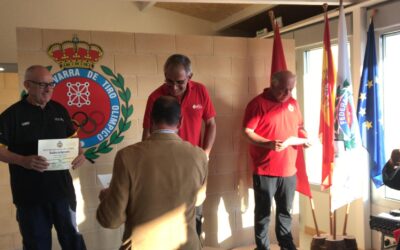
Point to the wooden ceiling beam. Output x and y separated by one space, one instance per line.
241 15
270 2
144 5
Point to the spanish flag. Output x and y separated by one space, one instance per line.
326 124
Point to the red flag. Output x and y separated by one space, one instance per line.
279 64
278 57
326 124
302 184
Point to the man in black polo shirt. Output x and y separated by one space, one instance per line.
42 198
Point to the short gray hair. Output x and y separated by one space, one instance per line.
178 60
279 76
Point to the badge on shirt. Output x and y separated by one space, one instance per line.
58 119
197 106
290 108
23 124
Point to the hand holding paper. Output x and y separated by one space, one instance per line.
59 153
293 141
34 162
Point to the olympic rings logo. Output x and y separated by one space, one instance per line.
88 123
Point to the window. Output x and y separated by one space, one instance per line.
391 91
312 105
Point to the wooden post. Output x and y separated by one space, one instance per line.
373 13
330 214
334 225
313 214
272 18
346 218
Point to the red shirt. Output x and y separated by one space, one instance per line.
196 106
274 121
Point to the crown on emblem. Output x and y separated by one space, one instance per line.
75 53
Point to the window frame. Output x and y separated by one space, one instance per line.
300 53
378 196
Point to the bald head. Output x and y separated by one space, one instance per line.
39 84
282 84
35 71
282 76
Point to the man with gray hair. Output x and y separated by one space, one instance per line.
42 198
196 108
272 124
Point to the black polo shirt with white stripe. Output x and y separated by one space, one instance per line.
21 126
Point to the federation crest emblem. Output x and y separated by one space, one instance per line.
98 104
344 117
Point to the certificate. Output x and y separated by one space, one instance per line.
59 152
293 141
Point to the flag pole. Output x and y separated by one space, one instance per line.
334 225
325 7
272 18
330 214
334 212
346 218
313 214
373 13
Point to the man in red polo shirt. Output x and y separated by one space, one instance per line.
272 123
196 107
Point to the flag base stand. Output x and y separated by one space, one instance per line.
326 242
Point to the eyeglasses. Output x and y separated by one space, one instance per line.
44 85
178 82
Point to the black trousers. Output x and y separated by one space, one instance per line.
35 223
199 220
282 189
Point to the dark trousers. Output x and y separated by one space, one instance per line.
199 219
281 189
35 224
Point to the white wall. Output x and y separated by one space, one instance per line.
89 15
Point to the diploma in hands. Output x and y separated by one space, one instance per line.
59 152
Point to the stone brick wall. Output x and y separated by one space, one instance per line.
234 71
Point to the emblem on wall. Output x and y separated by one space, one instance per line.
98 103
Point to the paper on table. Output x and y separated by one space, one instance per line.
59 153
105 179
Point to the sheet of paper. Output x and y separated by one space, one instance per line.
105 179
291 141
59 152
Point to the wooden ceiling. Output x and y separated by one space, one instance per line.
213 12
244 17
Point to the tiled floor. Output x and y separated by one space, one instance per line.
305 241
251 247
273 247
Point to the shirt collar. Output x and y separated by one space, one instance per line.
165 131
